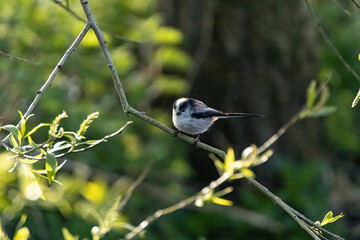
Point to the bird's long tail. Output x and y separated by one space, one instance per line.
244 115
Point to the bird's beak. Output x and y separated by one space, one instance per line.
178 113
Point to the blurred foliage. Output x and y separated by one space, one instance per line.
152 67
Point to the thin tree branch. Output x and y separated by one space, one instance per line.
105 50
140 228
284 206
292 120
17 58
78 17
328 41
356 4
54 73
69 10
133 186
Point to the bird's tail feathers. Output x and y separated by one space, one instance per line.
243 115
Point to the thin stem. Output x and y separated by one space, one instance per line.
140 228
105 50
17 58
284 206
292 120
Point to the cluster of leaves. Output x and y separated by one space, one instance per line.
235 169
26 152
329 218
317 96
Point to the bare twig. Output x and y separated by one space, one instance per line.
292 120
17 58
133 186
68 9
328 41
105 50
284 206
356 3
104 139
140 228
53 74
116 36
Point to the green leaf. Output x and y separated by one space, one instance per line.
247 173
221 201
50 166
13 141
311 94
356 99
323 112
218 164
22 234
67 235
229 160
36 128
167 35
12 129
330 219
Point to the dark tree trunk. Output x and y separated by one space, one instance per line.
250 56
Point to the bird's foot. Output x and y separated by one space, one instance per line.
197 140
176 132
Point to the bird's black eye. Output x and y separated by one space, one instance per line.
183 110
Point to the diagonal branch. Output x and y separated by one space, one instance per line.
141 227
17 58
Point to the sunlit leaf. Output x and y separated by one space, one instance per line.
311 94
229 160
167 35
12 129
329 218
323 112
356 99
36 128
13 141
50 166
247 172
67 235
22 234
218 164
222 201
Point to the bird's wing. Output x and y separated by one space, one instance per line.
209 112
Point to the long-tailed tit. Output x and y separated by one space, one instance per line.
193 117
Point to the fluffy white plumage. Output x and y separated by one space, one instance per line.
193 117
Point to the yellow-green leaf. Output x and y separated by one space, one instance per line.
67 235
218 164
50 166
356 99
247 172
229 160
36 128
311 94
329 218
22 234
222 201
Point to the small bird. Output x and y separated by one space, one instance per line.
193 117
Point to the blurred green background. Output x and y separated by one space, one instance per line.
245 56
